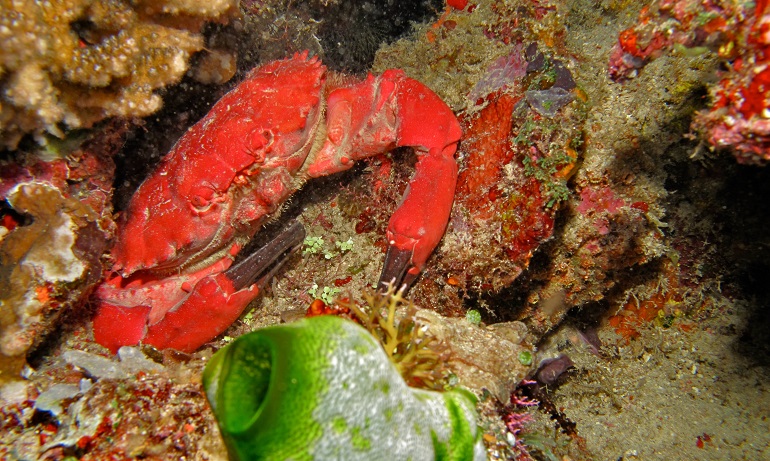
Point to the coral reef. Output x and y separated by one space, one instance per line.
604 235
533 180
738 116
70 64
685 26
56 223
322 387
641 287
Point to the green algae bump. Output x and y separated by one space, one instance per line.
323 389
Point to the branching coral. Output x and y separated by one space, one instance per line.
420 357
436 352
72 63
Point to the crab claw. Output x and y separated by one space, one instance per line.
415 229
377 115
201 305
419 223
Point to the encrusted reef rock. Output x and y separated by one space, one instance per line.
71 63
735 33
99 408
535 184
482 357
520 147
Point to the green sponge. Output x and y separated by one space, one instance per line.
322 388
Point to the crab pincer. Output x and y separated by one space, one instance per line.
213 303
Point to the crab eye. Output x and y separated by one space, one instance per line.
199 202
201 198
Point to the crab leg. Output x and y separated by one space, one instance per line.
375 116
215 300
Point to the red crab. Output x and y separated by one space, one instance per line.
288 121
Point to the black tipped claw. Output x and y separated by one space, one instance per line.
394 270
260 266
